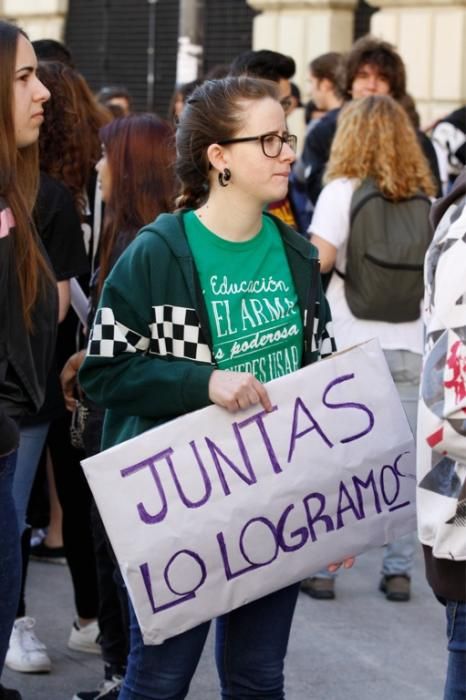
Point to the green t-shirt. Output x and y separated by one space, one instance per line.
251 301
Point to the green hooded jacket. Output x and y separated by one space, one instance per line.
149 356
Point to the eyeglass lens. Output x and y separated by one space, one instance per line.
273 144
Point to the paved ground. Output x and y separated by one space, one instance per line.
358 647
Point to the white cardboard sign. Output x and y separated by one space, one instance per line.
213 509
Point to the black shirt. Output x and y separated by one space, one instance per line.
59 227
25 357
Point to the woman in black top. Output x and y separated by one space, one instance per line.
28 297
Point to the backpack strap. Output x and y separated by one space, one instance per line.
367 190
339 273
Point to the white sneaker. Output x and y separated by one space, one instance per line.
26 653
85 638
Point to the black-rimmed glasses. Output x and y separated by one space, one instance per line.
271 144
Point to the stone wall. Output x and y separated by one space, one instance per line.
41 19
429 34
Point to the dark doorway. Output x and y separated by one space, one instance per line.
124 41
227 31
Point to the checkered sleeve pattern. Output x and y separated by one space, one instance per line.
176 331
327 341
110 338
323 342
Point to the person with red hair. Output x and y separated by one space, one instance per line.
136 179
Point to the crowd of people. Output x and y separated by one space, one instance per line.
113 224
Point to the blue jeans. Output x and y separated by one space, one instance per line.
251 644
405 368
10 561
455 686
31 444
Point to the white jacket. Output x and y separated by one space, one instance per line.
441 452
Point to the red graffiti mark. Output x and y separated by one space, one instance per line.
435 438
456 362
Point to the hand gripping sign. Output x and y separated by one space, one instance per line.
213 509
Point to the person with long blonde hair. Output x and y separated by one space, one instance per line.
375 141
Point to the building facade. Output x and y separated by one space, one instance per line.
135 42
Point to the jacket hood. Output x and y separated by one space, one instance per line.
178 244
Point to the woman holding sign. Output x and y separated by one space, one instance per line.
186 319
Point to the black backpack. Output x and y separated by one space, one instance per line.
385 256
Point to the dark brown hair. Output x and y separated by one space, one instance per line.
19 177
140 151
69 142
374 52
52 50
408 103
182 92
213 113
265 64
329 66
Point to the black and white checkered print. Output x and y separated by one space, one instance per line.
326 343
176 331
110 338
322 344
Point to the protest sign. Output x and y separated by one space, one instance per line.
214 509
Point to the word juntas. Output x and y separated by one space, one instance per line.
161 466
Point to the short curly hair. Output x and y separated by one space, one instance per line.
369 50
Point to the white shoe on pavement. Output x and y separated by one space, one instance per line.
86 638
26 653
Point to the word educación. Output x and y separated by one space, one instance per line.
380 490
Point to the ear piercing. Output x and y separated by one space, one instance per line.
225 177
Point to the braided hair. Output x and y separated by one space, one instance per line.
213 113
